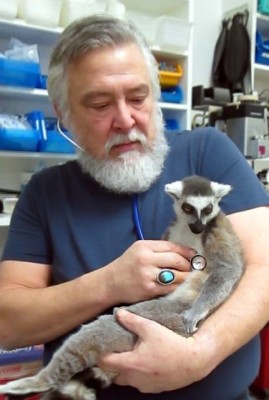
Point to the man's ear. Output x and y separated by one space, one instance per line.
57 111
59 115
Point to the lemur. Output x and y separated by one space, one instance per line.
73 372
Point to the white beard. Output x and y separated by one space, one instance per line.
133 171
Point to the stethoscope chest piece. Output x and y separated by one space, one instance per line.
198 262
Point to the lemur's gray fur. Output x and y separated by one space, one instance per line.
199 224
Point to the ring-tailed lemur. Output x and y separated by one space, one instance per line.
73 372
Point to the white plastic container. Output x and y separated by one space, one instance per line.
40 12
74 9
145 23
172 34
9 204
8 9
116 8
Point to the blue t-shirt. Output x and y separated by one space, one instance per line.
64 218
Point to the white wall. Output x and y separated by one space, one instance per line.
207 15
230 4
207 18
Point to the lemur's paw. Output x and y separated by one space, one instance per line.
190 323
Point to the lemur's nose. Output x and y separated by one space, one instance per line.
197 227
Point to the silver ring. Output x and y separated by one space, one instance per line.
165 277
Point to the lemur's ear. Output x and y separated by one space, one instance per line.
174 189
219 189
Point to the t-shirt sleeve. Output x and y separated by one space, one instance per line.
28 238
218 158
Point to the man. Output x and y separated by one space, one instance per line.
72 251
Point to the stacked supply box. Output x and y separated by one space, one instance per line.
19 363
169 78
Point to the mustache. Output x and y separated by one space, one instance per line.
123 138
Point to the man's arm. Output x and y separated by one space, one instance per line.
163 360
33 312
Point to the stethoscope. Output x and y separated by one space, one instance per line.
198 262
61 132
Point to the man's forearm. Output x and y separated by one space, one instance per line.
38 315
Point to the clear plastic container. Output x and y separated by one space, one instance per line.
116 8
172 33
8 9
74 9
40 12
146 23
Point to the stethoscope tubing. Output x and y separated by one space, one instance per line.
136 217
61 132
201 262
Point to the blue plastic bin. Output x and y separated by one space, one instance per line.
171 124
263 6
172 95
262 50
19 73
42 82
19 139
55 143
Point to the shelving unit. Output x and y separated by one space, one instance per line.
21 100
259 72
258 22
5 219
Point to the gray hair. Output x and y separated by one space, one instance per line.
84 35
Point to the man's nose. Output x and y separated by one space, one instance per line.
123 118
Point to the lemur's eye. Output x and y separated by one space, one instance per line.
187 208
207 210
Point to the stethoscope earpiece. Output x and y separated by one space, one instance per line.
61 132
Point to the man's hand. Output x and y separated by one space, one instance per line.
161 360
132 276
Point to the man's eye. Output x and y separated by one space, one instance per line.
102 106
137 100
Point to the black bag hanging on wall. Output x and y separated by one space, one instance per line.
232 54
218 74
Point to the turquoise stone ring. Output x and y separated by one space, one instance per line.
165 277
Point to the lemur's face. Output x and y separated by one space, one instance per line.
197 211
196 200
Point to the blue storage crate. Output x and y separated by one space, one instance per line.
55 143
262 50
171 124
172 95
42 82
263 6
19 73
19 139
